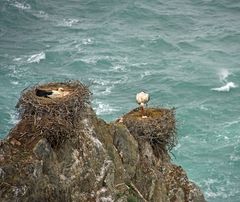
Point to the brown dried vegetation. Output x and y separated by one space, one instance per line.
52 118
159 128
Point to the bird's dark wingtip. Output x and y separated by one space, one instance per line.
42 93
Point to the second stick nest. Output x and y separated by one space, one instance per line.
159 128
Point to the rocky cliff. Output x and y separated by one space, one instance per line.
61 151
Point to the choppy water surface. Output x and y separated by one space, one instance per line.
186 54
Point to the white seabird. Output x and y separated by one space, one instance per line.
51 93
142 99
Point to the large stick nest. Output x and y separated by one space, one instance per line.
53 118
32 105
158 128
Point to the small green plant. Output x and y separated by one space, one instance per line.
132 199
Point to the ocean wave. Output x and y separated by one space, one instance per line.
14 82
103 108
105 91
226 88
119 68
14 118
165 45
87 41
139 64
231 123
234 157
210 192
102 82
36 58
99 81
102 87
23 6
216 189
188 46
17 59
41 14
223 75
68 22
144 74
95 59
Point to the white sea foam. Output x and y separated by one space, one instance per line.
23 6
146 73
107 91
68 22
177 147
234 157
226 87
89 60
203 107
223 75
139 64
95 59
36 58
14 82
41 14
87 41
210 192
100 82
14 119
119 67
101 92
103 109
220 188
102 87
17 59
230 123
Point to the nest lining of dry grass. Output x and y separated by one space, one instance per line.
159 128
52 118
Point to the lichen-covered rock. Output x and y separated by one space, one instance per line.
96 162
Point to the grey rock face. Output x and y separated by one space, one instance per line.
97 162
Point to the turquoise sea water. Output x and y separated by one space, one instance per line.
176 50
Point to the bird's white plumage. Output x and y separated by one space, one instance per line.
142 98
58 93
